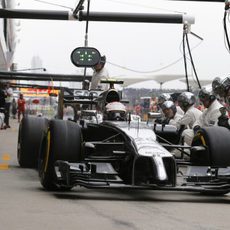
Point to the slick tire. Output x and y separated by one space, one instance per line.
31 132
63 141
217 139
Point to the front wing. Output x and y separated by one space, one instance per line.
103 176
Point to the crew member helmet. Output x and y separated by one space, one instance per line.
100 64
216 86
169 105
164 97
206 94
225 86
186 99
103 60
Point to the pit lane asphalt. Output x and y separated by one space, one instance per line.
26 206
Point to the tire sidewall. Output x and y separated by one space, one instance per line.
63 141
31 131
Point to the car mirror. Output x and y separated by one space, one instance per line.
152 115
89 147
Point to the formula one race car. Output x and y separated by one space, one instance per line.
120 153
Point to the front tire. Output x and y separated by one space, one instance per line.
63 141
31 132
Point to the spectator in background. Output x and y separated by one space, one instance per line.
14 108
9 99
138 109
2 106
2 96
200 107
21 107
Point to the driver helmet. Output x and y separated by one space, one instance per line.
115 111
169 105
206 94
164 97
186 99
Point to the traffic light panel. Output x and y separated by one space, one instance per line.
85 57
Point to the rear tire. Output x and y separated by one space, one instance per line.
31 131
62 142
217 140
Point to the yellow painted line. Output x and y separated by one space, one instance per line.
4 166
6 157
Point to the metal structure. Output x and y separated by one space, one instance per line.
97 16
80 15
12 75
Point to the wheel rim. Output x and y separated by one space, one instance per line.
201 138
47 151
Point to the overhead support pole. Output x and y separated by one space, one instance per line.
7 75
136 17
97 16
36 14
198 0
33 86
34 78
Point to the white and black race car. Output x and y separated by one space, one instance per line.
120 153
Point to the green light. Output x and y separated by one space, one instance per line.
85 56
